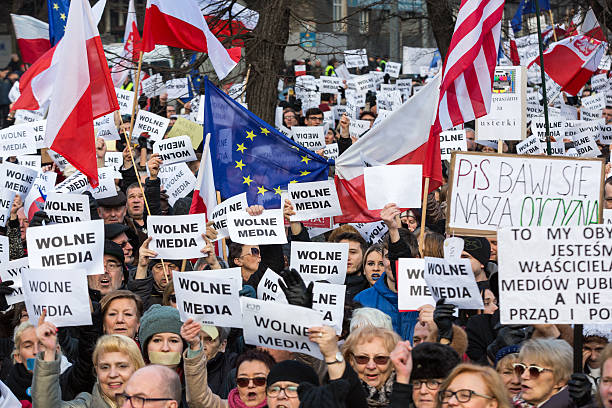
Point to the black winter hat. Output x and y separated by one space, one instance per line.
294 371
433 360
113 249
118 200
114 229
478 247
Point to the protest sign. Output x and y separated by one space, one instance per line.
6 202
389 100
329 299
314 199
489 191
75 245
563 271
58 159
105 127
400 184
388 88
412 290
453 280
175 150
599 83
531 145
13 270
179 183
451 140
14 93
605 134
126 101
17 178
265 324
596 102
311 137
329 84
22 115
114 159
269 289
17 140
153 125
393 69
506 119
184 126
43 184
585 144
106 187
153 86
589 114
210 298
607 216
320 260
177 236
453 247
219 214
405 87
355 58
64 208
4 249
76 183
38 129
569 112
343 72
331 151
33 161
177 88
533 110
372 232
62 293
266 228
358 127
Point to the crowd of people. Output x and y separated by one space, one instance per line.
138 353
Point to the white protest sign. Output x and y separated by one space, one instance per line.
531 145
329 84
329 299
265 324
607 216
153 85
13 271
106 184
533 110
605 134
44 183
179 183
320 260
105 127
594 102
6 202
269 289
489 191
589 114
388 88
314 199
400 184
331 151
358 127
154 125
114 159
38 128
17 140
266 228
372 232
76 183
75 245
58 159
569 112
177 236
453 247
17 178
62 293
14 93
453 280
412 290
564 272
22 115
4 249
405 87
393 69
64 208
599 83
311 137
343 72
177 88
451 140
585 145
219 214
174 150
126 101
355 58
33 161
210 298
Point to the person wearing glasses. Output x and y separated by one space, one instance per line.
314 117
473 386
151 386
114 276
544 369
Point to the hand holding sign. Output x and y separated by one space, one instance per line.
190 332
153 165
295 289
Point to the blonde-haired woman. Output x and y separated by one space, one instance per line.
472 386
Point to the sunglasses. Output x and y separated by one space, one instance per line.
254 252
244 382
378 360
534 370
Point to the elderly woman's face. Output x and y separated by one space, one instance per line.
538 388
511 380
473 382
425 392
605 384
251 379
372 363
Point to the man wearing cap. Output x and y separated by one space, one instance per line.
112 209
114 270
478 251
116 232
219 362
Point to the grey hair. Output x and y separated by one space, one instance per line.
555 354
365 316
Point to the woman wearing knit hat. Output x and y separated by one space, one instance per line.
160 336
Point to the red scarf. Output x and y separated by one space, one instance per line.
234 400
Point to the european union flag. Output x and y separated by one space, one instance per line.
249 155
58 15
527 7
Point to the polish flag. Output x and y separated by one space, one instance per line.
572 61
404 137
514 55
228 23
181 24
590 26
131 48
88 94
32 37
204 196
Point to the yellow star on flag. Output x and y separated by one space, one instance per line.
304 173
277 190
247 180
261 190
264 131
293 181
305 159
55 6
295 147
239 165
63 16
240 148
251 135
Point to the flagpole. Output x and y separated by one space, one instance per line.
552 23
136 85
223 239
543 75
423 216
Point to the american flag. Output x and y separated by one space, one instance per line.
465 92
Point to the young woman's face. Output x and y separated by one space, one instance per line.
374 267
165 349
113 371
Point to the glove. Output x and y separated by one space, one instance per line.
142 140
579 388
5 289
247 291
506 336
39 218
295 289
443 318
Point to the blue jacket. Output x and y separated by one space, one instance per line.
382 298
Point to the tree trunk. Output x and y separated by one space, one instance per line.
442 23
265 52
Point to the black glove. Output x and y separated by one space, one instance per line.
506 336
39 218
579 388
142 140
295 289
5 289
443 317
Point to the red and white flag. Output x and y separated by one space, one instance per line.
514 54
465 93
590 27
404 137
231 23
181 24
572 61
32 37
204 196
89 93
132 44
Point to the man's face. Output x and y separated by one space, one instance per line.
128 250
608 196
147 384
314 120
111 215
369 118
160 277
355 257
477 267
170 110
420 334
111 279
470 138
607 113
135 203
592 349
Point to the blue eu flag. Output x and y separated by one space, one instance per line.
58 16
248 155
527 7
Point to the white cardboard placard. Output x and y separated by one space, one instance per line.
453 280
64 208
154 125
320 260
175 150
412 290
219 214
266 228
400 184
177 236
13 271
314 199
17 140
311 137
126 101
